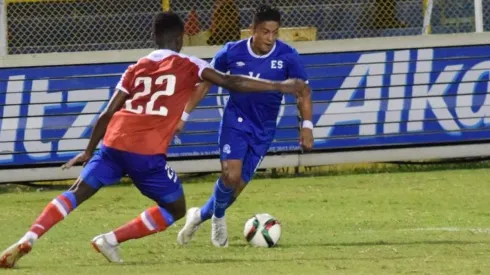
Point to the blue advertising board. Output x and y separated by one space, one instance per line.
361 99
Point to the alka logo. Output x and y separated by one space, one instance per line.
223 96
446 98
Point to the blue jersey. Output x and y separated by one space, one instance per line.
256 113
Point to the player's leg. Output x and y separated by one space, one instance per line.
52 214
158 181
250 165
153 220
223 196
233 148
252 158
206 212
101 170
251 162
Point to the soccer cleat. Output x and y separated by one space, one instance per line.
11 255
110 252
192 224
219 232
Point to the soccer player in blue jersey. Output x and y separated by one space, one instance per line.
249 120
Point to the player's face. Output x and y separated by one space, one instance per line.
265 35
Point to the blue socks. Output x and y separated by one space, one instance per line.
222 195
208 209
221 199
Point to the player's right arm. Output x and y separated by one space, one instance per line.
202 89
98 132
115 104
215 75
236 83
100 127
247 84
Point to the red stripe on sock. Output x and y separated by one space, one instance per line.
67 202
158 218
136 228
48 218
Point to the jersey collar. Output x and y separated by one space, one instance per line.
251 52
158 55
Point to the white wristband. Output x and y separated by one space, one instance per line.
307 124
185 116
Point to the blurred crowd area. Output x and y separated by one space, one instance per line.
42 26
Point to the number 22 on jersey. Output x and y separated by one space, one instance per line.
149 109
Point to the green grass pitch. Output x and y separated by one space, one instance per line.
432 222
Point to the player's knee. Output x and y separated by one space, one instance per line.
176 208
179 213
231 178
176 212
82 190
231 173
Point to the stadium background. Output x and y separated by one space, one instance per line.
41 26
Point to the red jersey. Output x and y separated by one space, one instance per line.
159 86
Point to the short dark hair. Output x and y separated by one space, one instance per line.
266 13
168 25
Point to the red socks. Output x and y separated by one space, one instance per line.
54 212
153 220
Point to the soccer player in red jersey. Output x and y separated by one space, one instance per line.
137 127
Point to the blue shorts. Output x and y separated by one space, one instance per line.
239 145
150 173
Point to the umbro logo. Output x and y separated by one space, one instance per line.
240 64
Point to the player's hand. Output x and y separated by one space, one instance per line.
306 139
180 127
292 86
80 158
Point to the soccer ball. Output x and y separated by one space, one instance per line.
262 230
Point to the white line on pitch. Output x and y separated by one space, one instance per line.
448 229
435 229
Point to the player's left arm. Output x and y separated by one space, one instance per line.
199 93
305 106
